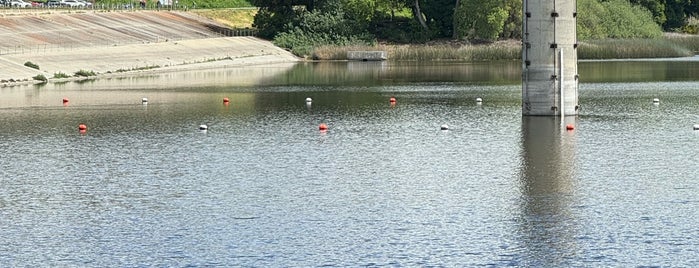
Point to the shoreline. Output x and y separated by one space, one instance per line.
212 65
120 61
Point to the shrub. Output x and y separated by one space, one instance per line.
41 77
692 26
615 19
85 73
31 65
60 75
322 28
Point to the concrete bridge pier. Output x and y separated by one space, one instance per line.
549 58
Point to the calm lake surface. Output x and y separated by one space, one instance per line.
384 186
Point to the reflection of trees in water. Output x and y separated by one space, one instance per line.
371 73
637 71
547 228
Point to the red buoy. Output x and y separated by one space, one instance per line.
392 100
82 127
65 100
570 127
323 126
226 100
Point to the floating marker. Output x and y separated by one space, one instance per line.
444 127
82 127
392 100
479 100
696 127
65 100
226 100
309 100
570 127
203 127
656 100
323 127
144 100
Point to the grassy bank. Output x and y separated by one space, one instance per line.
636 48
236 18
505 50
671 45
689 41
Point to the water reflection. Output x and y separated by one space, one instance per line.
373 73
330 75
547 228
639 71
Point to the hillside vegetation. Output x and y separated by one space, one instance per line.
304 27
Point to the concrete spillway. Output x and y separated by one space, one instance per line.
121 42
549 58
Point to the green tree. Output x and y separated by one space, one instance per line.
274 19
676 13
328 24
623 20
480 19
615 19
590 20
438 14
513 23
656 7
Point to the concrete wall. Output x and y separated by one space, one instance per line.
366 55
549 28
122 42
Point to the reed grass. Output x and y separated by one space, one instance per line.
509 50
672 45
689 41
631 48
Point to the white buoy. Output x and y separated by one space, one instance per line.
203 127
696 127
479 100
144 100
444 127
656 101
309 100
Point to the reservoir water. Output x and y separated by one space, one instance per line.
383 186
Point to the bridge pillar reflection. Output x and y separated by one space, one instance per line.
546 225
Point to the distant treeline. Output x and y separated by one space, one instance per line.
301 25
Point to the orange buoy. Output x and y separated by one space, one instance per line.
65 100
323 126
82 127
226 100
392 100
570 127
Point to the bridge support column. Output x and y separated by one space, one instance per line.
549 58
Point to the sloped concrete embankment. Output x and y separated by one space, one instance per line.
118 42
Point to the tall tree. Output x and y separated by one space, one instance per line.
480 19
676 13
417 13
656 7
438 14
